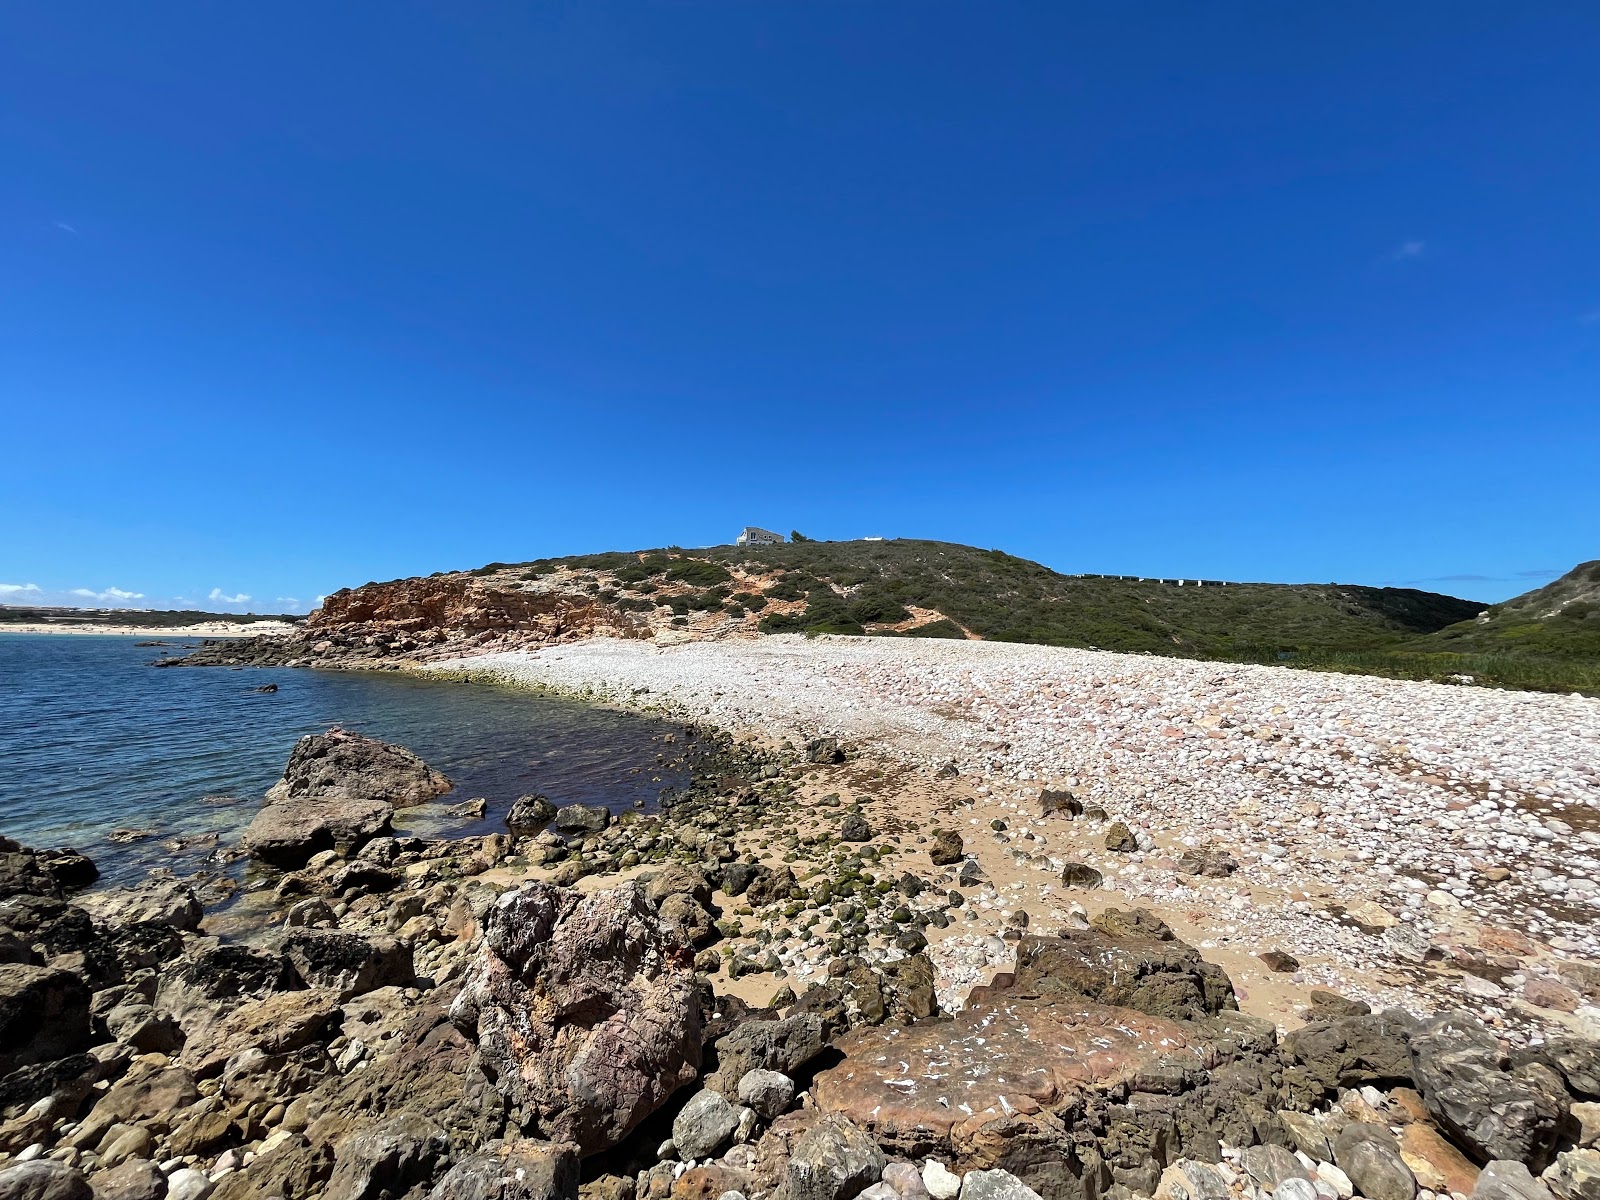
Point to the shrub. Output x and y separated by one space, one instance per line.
754 601
697 572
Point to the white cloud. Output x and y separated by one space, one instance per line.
11 589
1410 249
219 595
66 228
291 601
111 593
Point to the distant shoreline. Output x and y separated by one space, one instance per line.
204 629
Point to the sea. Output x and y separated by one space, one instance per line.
96 742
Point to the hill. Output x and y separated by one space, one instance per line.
909 587
1561 618
92 618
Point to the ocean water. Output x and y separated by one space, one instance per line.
93 739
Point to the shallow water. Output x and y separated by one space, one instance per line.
93 739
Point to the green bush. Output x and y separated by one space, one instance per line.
697 572
754 601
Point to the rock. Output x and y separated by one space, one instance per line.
151 1097
44 1015
584 1009
289 833
1506 1179
691 919
43 1179
1187 1179
1076 874
824 750
1369 1156
704 1125
1354 1051
770 884
144 1029
854 828
1295 1189
136 1179
387 1160
995 1185
154 902
358 768
1121 839
186 1183
1493 1111
1135 970
529 814
513 1170
1575 1175
767 1092
1270 1165
778 1046
1438 1165
348 963
905 1181
947 848
941 1182
833 1160
1280 961
1578 1062
1209 861
1059 804
1587 1115
582 818
280 1023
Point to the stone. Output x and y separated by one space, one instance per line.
824 750
947 848
767 1092
1295 1189
582 818
147 1097
348 964
1076 874
833 1160
584 1009
785 1046
153 902
1059 804
941 1182
1354 1051
854 828
1270 1165
186 1183
995 1185
146 1030
1575 1175
1506 1179
1134 969
1120 839
1369 1156
44 1015
288 834
1578 1063
387 1160
1438 1165
136 1179
280 1023
360 768
1187 1179
520 1169
43 1179
1587 1114
704 1125
529 814
905 1181
1280 961
1491 1109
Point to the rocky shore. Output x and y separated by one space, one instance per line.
818 974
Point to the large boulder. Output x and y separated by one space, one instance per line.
1128 964
584 1010
784 1046
834 1160
1490 1108
361 768
167 902
348 963
1354 1051
43 1179
44 1015
287 833
514 1170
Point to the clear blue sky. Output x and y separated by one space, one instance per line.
294 296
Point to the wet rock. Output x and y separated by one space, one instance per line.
43 1179
513 1170
358 768
529 814
833 1160
947 848
1490 1109
348 964
704 1125
582 818
583 1007
767 1092
44 1015
1369 1156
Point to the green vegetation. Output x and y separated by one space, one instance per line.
167 618
1561 618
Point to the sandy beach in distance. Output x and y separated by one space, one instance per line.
204 629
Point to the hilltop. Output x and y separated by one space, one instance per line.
1562 617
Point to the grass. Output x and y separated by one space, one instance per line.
1528 672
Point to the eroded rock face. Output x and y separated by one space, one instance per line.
342 763
584 1011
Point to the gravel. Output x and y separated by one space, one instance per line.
1451 807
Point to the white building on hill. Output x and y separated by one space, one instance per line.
758 537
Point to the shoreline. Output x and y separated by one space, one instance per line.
209 629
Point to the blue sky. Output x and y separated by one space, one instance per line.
294 296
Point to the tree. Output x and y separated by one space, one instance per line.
796 536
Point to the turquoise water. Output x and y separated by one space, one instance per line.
93 739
